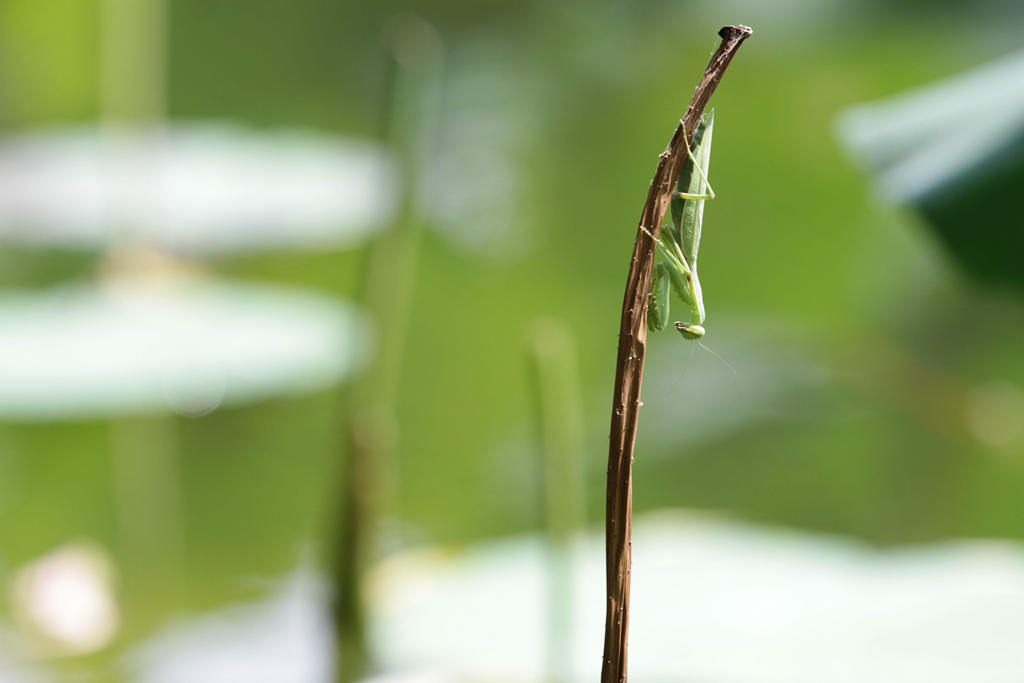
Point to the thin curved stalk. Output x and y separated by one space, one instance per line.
629 366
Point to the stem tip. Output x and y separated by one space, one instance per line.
727 32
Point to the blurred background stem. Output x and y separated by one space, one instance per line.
369 484
559 411
150 515
145 457
133 60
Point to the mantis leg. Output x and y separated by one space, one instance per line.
710 194
672 252
694 330
658 302
686 195
670 275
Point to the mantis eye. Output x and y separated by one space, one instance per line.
690 331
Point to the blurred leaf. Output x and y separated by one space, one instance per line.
954 151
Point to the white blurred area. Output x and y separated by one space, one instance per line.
712 600
199 188
64 601
130 346
719 600
284 639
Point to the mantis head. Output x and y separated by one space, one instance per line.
690 331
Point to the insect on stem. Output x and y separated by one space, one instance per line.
630 362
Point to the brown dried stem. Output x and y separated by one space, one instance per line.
630 364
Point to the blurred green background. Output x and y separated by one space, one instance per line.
876 386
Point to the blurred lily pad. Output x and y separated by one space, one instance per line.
136 347
191 188
955 152
718 600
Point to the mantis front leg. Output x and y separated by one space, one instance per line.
672 274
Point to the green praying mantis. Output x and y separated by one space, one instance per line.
679 242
